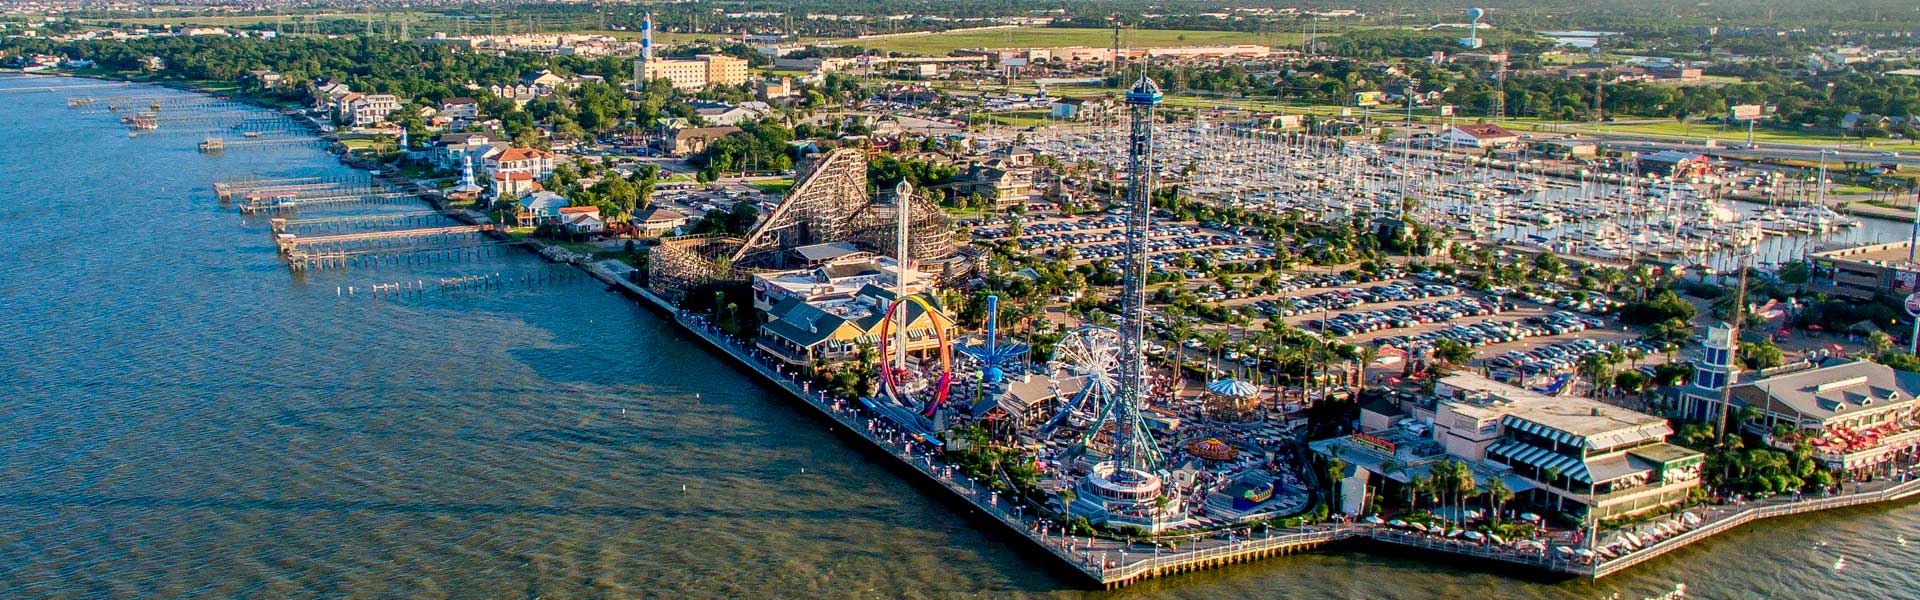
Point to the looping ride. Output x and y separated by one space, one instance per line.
893 378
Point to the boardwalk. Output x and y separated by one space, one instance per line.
1112 564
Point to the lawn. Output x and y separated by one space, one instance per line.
773 186
941 44
1017 118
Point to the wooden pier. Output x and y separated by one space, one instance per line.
283 202
405 245
336 224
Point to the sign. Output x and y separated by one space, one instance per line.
1913 304
1446 110
1906 281
1373 442
1744 112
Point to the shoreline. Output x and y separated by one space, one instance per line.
1206 553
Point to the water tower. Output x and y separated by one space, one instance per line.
1473 27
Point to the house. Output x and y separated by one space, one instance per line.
153 63
534 162
327 94
450 150
996 178
540 208
266 78
1853 121
364 110
771 89
517 183
1078 109
1485 135
545 79
715 113
582 220
688 141
460 108
660 220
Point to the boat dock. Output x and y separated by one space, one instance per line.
410 245
339 224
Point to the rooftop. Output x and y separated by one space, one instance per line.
1832 391
1577 420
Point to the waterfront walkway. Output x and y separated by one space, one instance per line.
1113 564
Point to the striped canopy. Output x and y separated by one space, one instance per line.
1513 422
1542 459
1234 388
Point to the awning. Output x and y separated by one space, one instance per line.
1513 422
1542 459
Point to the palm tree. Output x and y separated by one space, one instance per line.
1368 354
1463 486
1215 342
1594 368
1335 472
1417 485
1497 496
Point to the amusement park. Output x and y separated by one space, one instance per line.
1091 434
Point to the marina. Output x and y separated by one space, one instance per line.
1520 205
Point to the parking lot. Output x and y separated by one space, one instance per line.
1098 237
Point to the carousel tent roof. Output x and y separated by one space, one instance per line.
1234 387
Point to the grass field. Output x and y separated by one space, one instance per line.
1017 118
940 44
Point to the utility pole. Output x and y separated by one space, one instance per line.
1406 150
1733 349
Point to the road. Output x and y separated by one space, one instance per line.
1766 150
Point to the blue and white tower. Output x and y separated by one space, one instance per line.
646 52
467 185
646 37
1713 373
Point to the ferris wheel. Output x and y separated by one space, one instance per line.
1091 353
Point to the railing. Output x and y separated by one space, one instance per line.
1091 556
1748 515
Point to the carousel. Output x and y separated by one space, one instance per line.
1231 400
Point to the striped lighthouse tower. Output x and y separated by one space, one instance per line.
646 51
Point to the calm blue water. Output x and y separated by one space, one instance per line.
185 418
